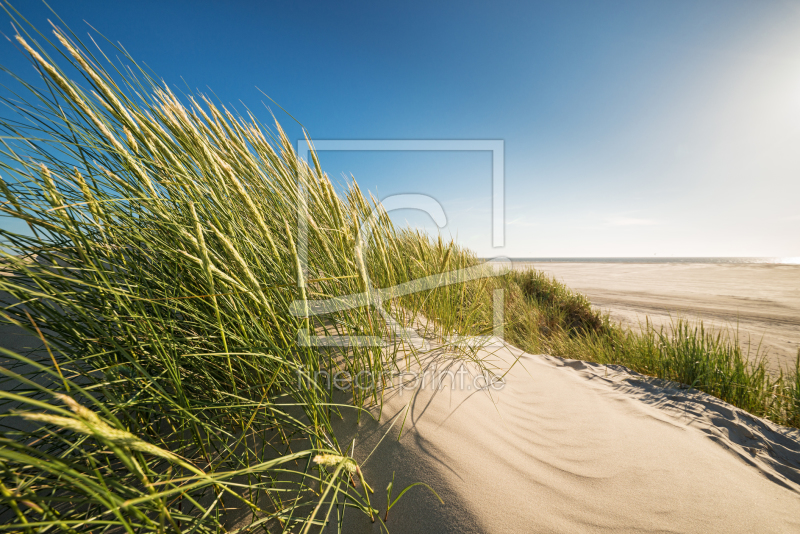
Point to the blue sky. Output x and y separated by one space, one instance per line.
631 128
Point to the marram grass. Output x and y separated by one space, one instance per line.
158 268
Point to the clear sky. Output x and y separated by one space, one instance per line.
631 128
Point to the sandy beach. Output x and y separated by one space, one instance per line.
568 446
763 300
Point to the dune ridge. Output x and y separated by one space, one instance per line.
572 446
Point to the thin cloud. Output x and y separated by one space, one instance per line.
521 222
629 221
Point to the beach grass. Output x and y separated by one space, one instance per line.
161 263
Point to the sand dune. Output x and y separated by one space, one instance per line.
566 446
762 300
569 446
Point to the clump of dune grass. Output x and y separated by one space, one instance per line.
544 315
159 269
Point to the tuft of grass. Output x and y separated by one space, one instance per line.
561 310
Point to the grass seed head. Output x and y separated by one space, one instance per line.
332 460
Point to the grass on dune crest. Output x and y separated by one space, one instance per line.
159 269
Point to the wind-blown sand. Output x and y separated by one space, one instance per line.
570 447
762 299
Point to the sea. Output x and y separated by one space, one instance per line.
659 259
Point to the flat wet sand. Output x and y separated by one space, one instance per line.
763 300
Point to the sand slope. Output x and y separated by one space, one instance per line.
569 446
762 300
